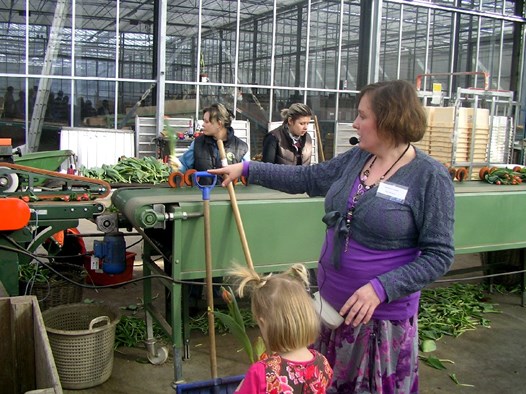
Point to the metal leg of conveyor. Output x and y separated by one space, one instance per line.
523 276
157 354
175 318
186 324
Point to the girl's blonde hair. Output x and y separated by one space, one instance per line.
283 302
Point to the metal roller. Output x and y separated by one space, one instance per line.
8 180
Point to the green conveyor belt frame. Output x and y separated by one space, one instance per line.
281 229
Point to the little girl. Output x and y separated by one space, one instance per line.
285 314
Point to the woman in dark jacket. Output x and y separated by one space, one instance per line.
203 153
290 143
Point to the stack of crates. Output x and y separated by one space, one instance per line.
461 144
500 139
423 144
476 151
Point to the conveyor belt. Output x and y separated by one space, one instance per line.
130 200
484 187
487 217
283 229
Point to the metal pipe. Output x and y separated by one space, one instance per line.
483 73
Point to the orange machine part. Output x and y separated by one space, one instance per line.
15 214
5 141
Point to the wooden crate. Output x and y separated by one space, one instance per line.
440 116
423 144
467 115
27 363
445 117
442 138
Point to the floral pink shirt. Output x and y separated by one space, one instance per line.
276 375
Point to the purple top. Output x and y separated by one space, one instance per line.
246 165
360 265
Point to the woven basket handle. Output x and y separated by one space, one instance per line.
98 320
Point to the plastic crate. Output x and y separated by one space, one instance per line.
57 291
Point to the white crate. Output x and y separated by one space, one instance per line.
95 146
344 131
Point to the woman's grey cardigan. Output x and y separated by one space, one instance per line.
429 204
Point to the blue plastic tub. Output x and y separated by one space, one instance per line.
215 386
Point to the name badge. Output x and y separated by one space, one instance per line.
392 191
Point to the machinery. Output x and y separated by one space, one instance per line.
281 229
35 204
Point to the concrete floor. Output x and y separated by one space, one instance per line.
492 360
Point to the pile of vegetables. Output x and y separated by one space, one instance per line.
130 170
461 174
450 311
33 272
131 331
503 176
494 175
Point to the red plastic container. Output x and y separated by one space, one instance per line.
100 278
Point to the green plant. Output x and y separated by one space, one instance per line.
202 62
236 325
35 272
450 311
131 331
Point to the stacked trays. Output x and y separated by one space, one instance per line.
467 145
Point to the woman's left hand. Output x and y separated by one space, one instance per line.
360 306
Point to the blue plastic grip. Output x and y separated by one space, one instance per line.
205 188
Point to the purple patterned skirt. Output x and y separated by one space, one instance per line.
379 357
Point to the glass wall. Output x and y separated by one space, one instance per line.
85 64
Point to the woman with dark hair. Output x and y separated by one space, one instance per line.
389 211
290 143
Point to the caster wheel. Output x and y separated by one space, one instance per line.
160 357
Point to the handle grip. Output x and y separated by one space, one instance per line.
205 188
98 320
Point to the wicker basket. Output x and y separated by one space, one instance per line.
82 338
57 291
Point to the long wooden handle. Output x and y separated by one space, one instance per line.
235 209
318 137
210 291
